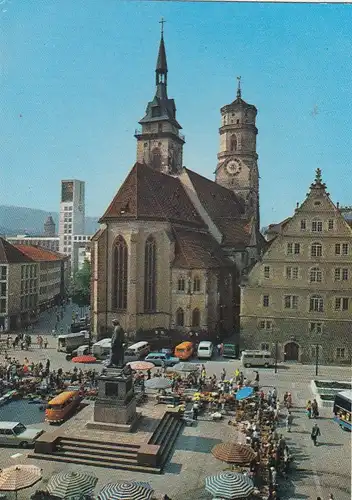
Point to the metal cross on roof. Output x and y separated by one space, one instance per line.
162 22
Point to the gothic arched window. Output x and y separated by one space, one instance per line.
181 284
316 250
233 143
120 263
196 284
316 303
315 275
150 275
180 317
196 317
156 158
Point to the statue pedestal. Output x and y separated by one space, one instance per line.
115 406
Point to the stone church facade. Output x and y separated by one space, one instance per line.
299 295
173 245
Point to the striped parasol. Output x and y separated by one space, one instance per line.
130 490
233 453
71 484
19 477
229 485
156 383
185 367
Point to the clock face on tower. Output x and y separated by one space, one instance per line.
234 167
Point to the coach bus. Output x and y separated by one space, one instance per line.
342 409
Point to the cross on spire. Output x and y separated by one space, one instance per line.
162 22
239 93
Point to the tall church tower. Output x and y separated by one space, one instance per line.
159 142
237 167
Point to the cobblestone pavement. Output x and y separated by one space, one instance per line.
318 471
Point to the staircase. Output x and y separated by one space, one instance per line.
165 435
115 455
97 454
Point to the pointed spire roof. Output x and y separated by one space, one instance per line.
161 63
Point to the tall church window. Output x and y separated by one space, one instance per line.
181 284
180 317
233 143
196 317
120 274
156 158
150 275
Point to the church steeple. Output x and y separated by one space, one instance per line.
160 142
161 63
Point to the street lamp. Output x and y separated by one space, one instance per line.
316 359
276 355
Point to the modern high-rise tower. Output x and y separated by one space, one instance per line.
72 213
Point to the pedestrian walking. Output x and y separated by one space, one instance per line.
288 421
315 409
315 433
309 409
223 374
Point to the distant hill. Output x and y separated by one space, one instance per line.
20 220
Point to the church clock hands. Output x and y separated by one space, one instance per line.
233 167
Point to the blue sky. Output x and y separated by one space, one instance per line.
75 78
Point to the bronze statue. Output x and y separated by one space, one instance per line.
117 346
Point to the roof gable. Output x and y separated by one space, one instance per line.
9 254
149 194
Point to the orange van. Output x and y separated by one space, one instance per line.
62 406
184 350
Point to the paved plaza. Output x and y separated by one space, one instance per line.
317 471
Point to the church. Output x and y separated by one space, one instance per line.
173 246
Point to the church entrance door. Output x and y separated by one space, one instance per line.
291 351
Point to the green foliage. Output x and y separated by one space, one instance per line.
81 285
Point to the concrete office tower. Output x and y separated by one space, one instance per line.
49 227
72 213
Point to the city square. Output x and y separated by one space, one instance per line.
175 251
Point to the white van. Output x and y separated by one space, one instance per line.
137 351
205 349
69 342
257 358
102 348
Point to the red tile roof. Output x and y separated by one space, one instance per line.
9 254
40 254
197 250
148 194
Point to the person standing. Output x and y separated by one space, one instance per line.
315 433
289 419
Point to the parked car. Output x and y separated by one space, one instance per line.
17 434
157 359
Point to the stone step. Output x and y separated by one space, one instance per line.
170 432
96 442
101 458
170 444
107 452
95 463
157 435
98 445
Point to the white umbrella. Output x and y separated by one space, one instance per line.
19 477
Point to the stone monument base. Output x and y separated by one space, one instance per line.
109 426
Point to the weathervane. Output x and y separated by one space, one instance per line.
162 22
239 87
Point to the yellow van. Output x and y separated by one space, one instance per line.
62 406
184 350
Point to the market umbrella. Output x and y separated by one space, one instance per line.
141 365
71 484
158 383
229 485
233 453
19 477
130 490
244 393
185 367
84 359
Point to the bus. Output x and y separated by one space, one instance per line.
342 409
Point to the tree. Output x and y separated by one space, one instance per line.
81 285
